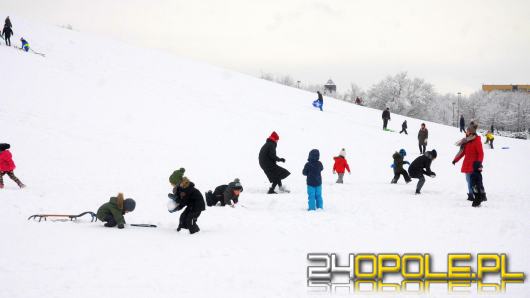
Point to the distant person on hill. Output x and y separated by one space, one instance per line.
422 166
7 33
398 166
462 124
192 199
423 135
471 149
476 183
404 127
341 165
313 170
8 23
358 101
386 117
319 103
489 138
7 166
267 162
25 44
226 194
492 129
112 213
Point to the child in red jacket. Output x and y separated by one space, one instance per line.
7 166
341 164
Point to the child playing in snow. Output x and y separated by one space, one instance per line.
312 170
112 212
341 164
192 199
476 184
489 139
7 166
226 194
398 166
422 166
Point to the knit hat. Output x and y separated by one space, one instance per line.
342 152
185 182
236 185
4 146
129 205
472 128
176 176
402 152
274 137
433 154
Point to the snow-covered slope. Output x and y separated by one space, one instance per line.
95 117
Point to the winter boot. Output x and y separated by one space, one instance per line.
394 181
484 198
470 197
271 191
418 192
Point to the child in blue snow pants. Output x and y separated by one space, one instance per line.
312 170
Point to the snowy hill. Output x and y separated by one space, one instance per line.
96 117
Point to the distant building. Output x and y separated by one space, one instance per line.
330 87
520 88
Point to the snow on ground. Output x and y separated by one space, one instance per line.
95 117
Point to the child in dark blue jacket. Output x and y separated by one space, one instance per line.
312 170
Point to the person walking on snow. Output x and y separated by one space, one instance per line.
341 165
386 117
192 199
267 161
471 149
319 103
476 183
25 44
398 166
313 170
462 124
490 138
423 135
422 166
112 213
404 127
7 166
225 194
7 33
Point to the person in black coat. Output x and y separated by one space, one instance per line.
7 32
404 127
462 124
320 100
386 117
192 199
8 23
422 166
476 183
225 194
268 160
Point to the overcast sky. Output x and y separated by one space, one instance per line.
455 44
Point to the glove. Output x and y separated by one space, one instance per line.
281 160
120 226
454 162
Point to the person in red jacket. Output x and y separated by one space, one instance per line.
7 166
471 150
341 164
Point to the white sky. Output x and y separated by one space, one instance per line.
456 45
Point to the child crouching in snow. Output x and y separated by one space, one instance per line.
312 170
112 212
341 164
7 166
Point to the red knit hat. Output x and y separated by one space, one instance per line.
274 137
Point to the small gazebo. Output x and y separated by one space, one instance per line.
330 87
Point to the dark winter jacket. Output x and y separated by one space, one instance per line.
268 160
398 162
7 32
386 114
423 135
313 169
476 179
192 198
115 208
421 165
462 122
320 98
404 125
